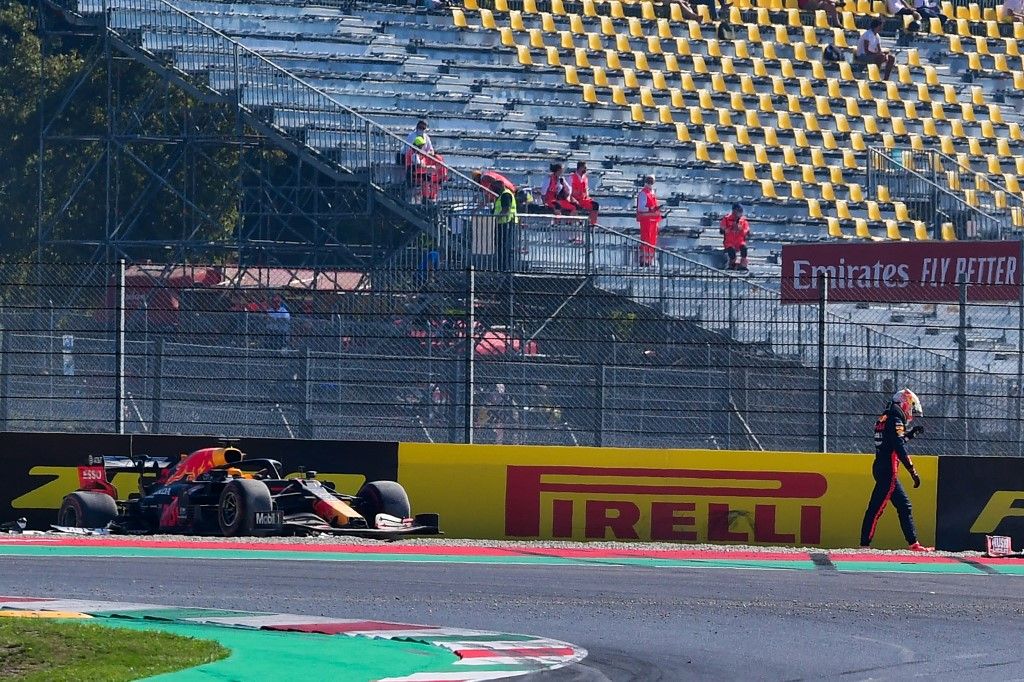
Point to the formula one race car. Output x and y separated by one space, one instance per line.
217 491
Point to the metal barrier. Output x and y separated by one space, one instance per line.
666 355
913 177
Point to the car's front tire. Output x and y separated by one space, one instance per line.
382 497
240 500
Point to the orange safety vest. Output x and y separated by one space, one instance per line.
580 187
652 204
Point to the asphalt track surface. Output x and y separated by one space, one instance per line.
639 623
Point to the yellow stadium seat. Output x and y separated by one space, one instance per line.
882 192
459 17
852 107
807 174
637 113
622 44
615 9
671 63
1012 183
888 141
843 210
619 96
706 102
589 94
523 54
515 21
899 127
839 38
810 125
892 91
920 231
647 98
956 129
789 156
547 22
796 190
537 39
611 60
857 143
910 110
856 193
916 142
903 74
658 80
828 140
582 58
817 157
828 191
682 133
955 45
892 231
736 102
793 103
948 232
752 119
974 62
739 50
742 135
836 175
924 95
870 126
508 38
931 76
665 114
576 25
814 209
487 20
902 214
553 58
629 79
696 116
995 167
700 152
647 11
783 120
778 172
771 137
874 213
725 118
874 74
718 83
761 154
608 27
974 146
589 8
834 230
594 42
928 127
571 75
995 114
768 190
860 228
557 7
749 171
600 77
747 84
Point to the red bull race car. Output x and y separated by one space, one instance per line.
218 491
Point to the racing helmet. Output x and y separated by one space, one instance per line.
908 401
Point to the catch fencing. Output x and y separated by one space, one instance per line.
607 350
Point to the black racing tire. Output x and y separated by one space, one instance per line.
239 502
382 497
87 509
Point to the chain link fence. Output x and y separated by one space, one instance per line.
653 356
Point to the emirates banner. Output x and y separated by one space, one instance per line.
921 272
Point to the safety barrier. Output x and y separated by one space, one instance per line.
578 493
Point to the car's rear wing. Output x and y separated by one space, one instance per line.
139 463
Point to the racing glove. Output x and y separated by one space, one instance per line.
917 479
915 432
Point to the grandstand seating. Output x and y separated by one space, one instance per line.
633 88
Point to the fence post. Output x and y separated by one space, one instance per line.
119 352
823 282
5 375
599 417
961 364
1020 367
158 380
307 400
468 379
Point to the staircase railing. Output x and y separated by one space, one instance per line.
916 178
279 103
991 196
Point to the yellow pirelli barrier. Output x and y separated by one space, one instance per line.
560 493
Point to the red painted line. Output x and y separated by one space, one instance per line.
267 546
521 652
23 599
894 558
340 628
1016 561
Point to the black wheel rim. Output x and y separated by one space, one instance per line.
229 509
70 518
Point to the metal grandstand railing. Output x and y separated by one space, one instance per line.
279 103
918 179
978 188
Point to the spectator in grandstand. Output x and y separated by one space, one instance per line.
735 229
686 9
581 191
928 9
902 8
1012 10
648 214
726 30
827 6
279 322
421 131
557 192
869 49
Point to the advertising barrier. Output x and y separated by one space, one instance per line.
563 493
922 272
979 496
39 469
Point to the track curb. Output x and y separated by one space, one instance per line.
479 654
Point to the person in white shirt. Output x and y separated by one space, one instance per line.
421 131
1012 10
928 9
869 49
899 8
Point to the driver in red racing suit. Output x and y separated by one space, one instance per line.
891 435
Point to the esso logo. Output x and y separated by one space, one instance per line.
92 475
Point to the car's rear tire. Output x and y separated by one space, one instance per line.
382 497
239 502
87 509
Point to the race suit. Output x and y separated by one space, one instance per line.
891 436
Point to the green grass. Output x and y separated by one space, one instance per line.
43 650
